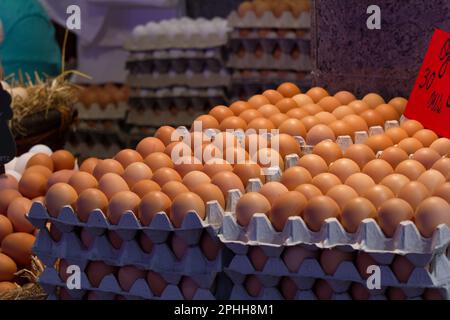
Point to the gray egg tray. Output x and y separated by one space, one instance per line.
268 61
109 287
216 53
113 111
268 20
179 66
268 45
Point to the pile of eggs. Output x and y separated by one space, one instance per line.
277 8
103 96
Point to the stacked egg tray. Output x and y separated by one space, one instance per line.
262 48
161 259
87 144
155 116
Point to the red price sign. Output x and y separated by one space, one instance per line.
429 102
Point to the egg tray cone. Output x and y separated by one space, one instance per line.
192 79
113 111
268 20
211 286
268 61
438 276
160 259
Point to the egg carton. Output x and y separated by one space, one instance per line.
435 276
270 34
177 54
268 20
180 41
110 127
160 259
269 45
180 102
268 61
204 79
175 67
155 116
113 111
109 286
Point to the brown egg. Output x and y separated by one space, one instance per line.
6 227
313 163
62 176
164 134
174 188
156 283
295 176
294 256
286 104
432 294
257 257
391 213
431 213
329 104
151 204
288 89
288 288
143 187
319 133
58 196
378 194
8 182
345 97
120 203
426 137
278 118
357 123
402 268
310 121
312 108
214 166
257 101
221 113
136 172
18 246
207 122
97 270
395 294
248 170
63 160
372 118
411 168
342 111
411 127
293 127
107 166
268 157
410 145
164 175
328 150
42 160
39 170
317 94
378 169
272 190
355 211
426 156
6 197
150 145
331 259
188 288
127 157
239 106
325 117
323 290
441 146
309 191
362 262
145 243
184 203
359 292
114 239
6 286
343 168
273 96
268 110
88 201
388 112
253 285
111 183
177 150
187 164
249 115
289 204
414 193
128 275
287 145
373 100
325 181
259 124
318 210
295 113
359 106
81 181
399 104
342 194
32 185
394 156
248 205
89 165
360 182
195 178
432 179
396 134
17 214
7 268
210 192
379 142
233 123
443 192
158 160
302 99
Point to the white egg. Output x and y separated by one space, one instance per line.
139 31
11 165
14 174
22 162
40 148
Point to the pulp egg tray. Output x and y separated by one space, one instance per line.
268 20
175 67
270 34
113 111
203 79
109 127
174 92
240 293
434 274
209 287
155 116
267 61
177 54
180 41
269 45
